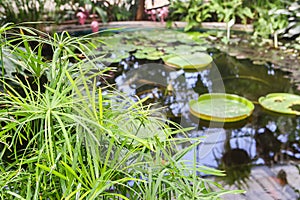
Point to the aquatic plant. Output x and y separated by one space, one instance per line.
152 45
191 61
284 103
221 107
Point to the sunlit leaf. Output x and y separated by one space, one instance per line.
221 107
191 61
281 102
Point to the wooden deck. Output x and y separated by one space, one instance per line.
262 184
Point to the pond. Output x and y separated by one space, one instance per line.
264 138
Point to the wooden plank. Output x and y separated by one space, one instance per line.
262 184
293 176
264 179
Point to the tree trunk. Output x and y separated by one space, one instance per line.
140 10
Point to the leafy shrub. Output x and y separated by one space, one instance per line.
193 12
268 20
35 11
73 140
267 17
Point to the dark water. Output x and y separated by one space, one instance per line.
264 138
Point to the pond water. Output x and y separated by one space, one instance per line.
264 138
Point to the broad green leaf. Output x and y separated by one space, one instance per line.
140 55
221 107
192 61
284 103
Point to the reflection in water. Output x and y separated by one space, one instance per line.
267 145
264 138
236 163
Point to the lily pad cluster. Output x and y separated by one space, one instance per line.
260 52
222 107
153 45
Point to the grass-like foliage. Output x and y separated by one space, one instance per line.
64 138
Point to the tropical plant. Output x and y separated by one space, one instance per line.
263 3
193 12
268 21
110 10
230 9
70 139
275 18
34 11
196 11
292 30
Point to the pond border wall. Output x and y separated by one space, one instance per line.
73 26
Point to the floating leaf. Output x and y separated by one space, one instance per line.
150 44
170 50
112 40
140 55
183 51
284 103
154 55
148 49
150 55
221 107
184 47
198 48
115 57
191 61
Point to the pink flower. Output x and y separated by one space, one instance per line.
148 12
153 15
81 17
163 14
95 26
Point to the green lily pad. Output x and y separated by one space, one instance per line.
181 52
110 60
170 50
184 47
191 61
284 103
115 57
119 47
111 41
198 48
221 107
140 55
150 44
148 49
156 55
153 55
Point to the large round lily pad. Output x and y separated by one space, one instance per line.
188 61
284 103
221 107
